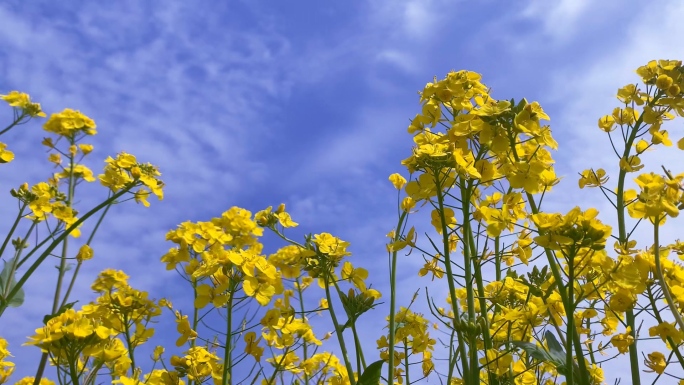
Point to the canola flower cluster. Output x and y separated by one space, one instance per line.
568 293
69 335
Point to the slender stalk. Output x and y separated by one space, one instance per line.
393 299
406 362
477 269
78 266
11 232
360 361
570 325
558 278
452 288
623 238
72 370
497 257
16 121
305 346
338 332
129 341
468 256
659 318
278 367
227 351
659 274
65 244
556 273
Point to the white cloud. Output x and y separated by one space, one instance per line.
559 18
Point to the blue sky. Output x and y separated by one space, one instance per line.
254 103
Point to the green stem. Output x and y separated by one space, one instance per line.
360 361
11 232
452 357
65 243
576 343
659 274
73 372
15 261
406 362
129 341
570 326
78 266
393 300
479 280
658 318
452 289
278 368
467 267
338 331
622 239
556 275
16 121
497 256
227 352
305 346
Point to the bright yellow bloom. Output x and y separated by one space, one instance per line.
163 377
184 329
656 362
666 330
622 341
593 178
85 148
631 94
621 301
123 380
331 245
432 267
6 156
397 180
23 101
355 275
648 71
663 82
84 253
79 170
260 289
607 123
285 220
252 346
31 380
625 115
69 123
407 204
449 217
6 370
109 279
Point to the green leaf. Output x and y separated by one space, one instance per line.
5 277
555 348
371 376
536 352
558 357
555 355
5 273
18 298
